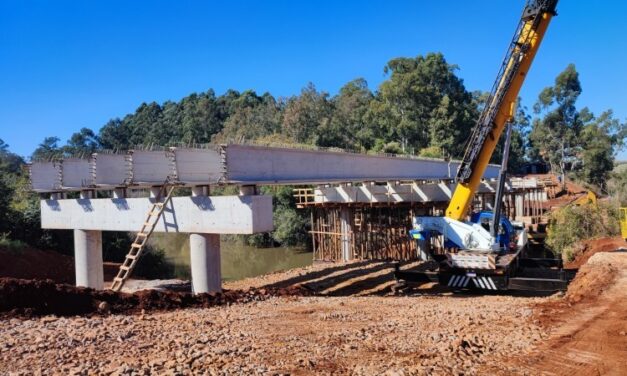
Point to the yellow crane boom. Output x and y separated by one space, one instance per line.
500 106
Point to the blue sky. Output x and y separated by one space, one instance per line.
71 64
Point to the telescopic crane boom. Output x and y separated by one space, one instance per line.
501 103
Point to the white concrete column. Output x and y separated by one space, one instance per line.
88 258
154 192
200 190
86 194
119 193
205 263
205 256
346 232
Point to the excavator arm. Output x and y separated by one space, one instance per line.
500 105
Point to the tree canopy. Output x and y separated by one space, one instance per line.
571 140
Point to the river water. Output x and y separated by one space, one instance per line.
237 261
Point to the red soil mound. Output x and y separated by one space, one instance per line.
592 246
591 280
36 297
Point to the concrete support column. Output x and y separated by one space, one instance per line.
154 192
247 190
520 202
200 190
119 193
205 256
205 263
422 246
346 227
88 259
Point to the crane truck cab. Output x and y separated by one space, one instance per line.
511 235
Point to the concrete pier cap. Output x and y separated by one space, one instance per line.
200 216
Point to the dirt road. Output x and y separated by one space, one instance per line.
589 327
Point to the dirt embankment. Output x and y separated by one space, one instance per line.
588 248
31 263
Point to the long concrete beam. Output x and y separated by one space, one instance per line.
201 214
268 165
233 164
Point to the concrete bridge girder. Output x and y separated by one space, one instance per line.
232 164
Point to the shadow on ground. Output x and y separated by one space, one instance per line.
376 278
363 278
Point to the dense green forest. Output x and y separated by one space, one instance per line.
422 108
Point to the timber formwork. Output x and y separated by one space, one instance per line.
371 222
365 232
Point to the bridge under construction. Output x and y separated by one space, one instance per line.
361 205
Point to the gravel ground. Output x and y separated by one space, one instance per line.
340 332
287 335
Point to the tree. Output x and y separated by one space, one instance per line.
253 117
10 167
306 114
48 149
348 128
9 162
601 138
575 141
115 135
142 122
555 134
451 123
82 143
203 116
423 103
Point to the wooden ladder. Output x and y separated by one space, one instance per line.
152 218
